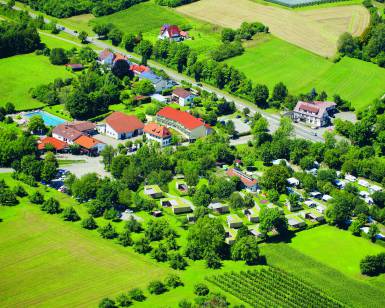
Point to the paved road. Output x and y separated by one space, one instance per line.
273 119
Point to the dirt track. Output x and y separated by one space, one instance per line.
315 30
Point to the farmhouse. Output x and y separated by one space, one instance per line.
160 84
90 145
250 183
158 133
153 191
314 113
172 33
121 126
182 97
69 132
234 221
57 144
218 207
183 122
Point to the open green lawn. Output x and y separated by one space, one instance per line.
273 60
329 258
23 72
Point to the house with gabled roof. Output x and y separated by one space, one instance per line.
183 122
172 33
70 131
57 144
90 145
158 133
122 126
182 97
160 84
315 113
249 182
106 57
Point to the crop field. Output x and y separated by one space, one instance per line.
328 258
272 287
21 73
315 30
273 60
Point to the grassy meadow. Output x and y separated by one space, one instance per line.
271 60
21 73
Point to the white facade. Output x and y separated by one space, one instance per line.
124 135
163 141
61 138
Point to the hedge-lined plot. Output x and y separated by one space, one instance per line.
272 287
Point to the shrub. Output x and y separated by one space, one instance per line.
136 294
36 198
173 281
19 191
107 303
156 287
51 206
89 223
69 214
123 300
125 239
177 261
142 246
108 231
7 197
373 265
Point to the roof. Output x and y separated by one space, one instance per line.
57 144
82 126
119 56
217 205
180 92
66 132
121 122
316 108
150 76
87 142
75 66
139 68
157 130
184 118
171 29
105 54
246 180
233 218
152 189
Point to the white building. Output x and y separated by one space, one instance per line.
122 126
183 97
316 113
158 133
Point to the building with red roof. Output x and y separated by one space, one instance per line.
121 126
69 132
158 133
183 122
182 96
57 144
250 183
139 69
90 145
315 113
171 32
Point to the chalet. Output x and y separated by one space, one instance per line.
218 207
293 181
182 97
295 222
183 122
172 33
57 144
314 113
153 191
233 221
252 214
69 132
121 126
250 183
160 84
90 145
158 133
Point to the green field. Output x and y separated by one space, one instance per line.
273 60
329 259
21 73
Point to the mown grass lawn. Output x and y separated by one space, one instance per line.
329 258
21 73
274 60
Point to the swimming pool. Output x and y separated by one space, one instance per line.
49 119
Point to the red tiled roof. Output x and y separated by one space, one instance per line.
119 56
66 132
309 107
81 126
246 180
171 29
139 68
157 130
182 117
57 144
87 142
180 92
122 123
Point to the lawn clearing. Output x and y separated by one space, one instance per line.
21 73
312 30
273 60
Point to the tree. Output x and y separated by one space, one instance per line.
49 167
177 261
102 29
280 92
142 246
143 87
213 260
115 35
36 125
123 300
272 219
20 191
7 197
355 227
82 36
246 249
156 287
125 239
373 265
379 198
58 56
346 44
201 289
160 253
202 196
121 69
129 42
133 225
260 94
276 178
108 232
236 201
144 48
85 188
89 223
173 281
51 206
228 35
107 303
36 198
137 294
341 208
69 214
373 231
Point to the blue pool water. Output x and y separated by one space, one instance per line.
49 119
